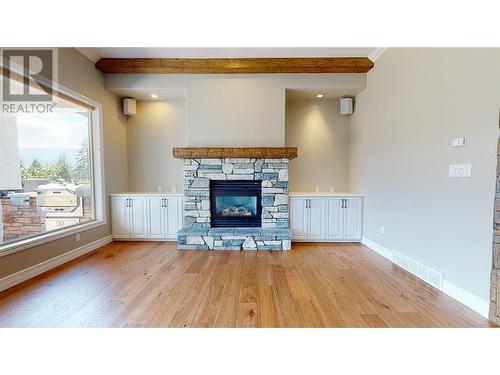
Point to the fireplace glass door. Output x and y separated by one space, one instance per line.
235 203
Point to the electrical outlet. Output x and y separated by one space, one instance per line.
159 188
382 229
317 189
460 170
332 189
77 237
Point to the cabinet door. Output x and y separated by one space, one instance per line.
316 218
352 219
335 217
173 216
156 217
120 217
138 217
298 218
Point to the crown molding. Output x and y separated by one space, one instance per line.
89 54
377 53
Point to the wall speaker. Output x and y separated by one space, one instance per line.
129 106
346 106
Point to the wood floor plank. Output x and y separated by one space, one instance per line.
152 284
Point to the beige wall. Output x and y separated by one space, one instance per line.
417 100
78 73
235 110
322 137
152 133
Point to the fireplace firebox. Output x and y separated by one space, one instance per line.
235 203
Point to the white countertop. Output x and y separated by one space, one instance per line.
297 194
324 194
149 193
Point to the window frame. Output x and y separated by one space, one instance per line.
97 177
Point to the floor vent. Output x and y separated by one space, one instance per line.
420 270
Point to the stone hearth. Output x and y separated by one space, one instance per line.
198 233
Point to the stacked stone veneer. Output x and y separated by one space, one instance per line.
495 272
197 233
19 222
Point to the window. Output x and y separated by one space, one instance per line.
50 171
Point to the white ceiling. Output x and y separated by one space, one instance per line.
96 53
310 94
164 94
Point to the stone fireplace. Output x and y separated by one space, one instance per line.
235 198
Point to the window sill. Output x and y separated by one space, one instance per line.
47 237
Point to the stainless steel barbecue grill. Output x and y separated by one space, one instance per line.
61 205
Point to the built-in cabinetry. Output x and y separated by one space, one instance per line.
146 216
326 217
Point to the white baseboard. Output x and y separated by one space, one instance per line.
30 272
377 248
466 298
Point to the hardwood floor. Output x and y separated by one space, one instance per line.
152 284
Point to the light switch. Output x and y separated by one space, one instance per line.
458 142
460 170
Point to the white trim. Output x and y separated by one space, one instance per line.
386 253
100 199
30 272
47 237
377 53
457 293
89 53
468 299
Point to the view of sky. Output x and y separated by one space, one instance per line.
47 136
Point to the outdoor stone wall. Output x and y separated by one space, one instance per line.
19 222
495 272
272 172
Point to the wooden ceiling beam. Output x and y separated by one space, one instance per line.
235 66
234 152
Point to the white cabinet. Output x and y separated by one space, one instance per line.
326 218
174 216
334 229
138 217
316 207
299 220
307 218
352 219
155 217
120 217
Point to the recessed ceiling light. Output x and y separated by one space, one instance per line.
319 95
154 96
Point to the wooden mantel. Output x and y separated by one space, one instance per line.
235 152
234 65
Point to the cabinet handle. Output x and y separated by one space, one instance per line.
345 203
165 202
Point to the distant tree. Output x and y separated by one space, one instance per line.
24 170
61 171
36 170
82 169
